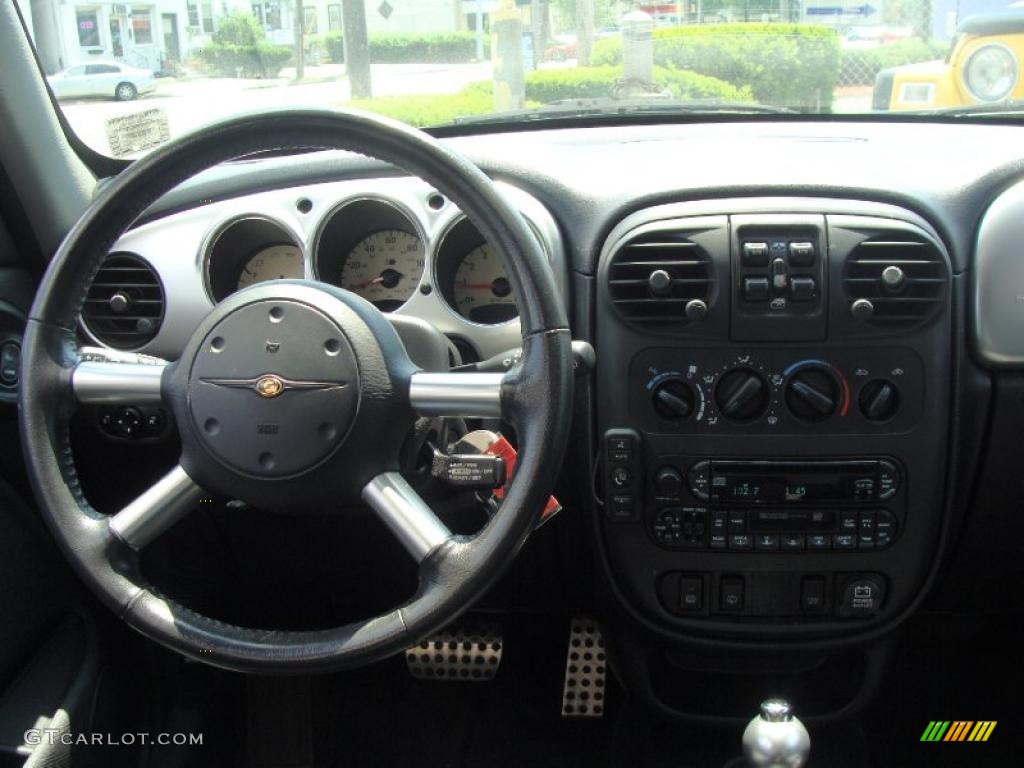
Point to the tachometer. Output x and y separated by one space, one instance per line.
276 262
482 290
384 268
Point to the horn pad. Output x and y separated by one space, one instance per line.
273 389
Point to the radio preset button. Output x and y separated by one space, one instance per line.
767 541
737 522
819 541
740 541
793 541
845 541
885 529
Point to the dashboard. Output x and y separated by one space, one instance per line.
800 331
397 243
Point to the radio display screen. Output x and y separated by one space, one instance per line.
778 483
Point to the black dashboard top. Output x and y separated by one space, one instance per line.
591 177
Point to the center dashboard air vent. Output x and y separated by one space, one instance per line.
661 278
125 303
895 280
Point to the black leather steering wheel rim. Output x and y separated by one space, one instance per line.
535 398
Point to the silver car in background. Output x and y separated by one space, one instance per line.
107 79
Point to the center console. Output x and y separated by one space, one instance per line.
773 401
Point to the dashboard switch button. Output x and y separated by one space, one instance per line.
691 594
802 289
730 594
801 254
755 288
812 594
755 254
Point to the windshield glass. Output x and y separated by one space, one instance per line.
130 75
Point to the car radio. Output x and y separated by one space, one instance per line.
792 482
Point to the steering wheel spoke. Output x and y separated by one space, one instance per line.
406 514
158 508
467 395
105 382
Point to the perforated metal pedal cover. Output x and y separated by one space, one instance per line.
583 694
469 652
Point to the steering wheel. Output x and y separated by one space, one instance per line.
293 393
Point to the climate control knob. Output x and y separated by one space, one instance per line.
812 393
879 400
673 399
742 394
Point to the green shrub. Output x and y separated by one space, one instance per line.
258 60
448 48
548 85
425 110
238 28
789 65
859 66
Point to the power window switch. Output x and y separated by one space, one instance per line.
802 288
755 289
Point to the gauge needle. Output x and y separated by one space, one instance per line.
368 283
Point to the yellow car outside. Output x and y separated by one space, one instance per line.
983 67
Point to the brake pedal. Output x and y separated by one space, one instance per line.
583 694
471 653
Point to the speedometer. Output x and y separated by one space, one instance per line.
384 268
275 262
481 290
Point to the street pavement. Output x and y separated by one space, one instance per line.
191 103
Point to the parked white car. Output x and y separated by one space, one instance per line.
109 79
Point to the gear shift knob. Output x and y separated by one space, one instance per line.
775 738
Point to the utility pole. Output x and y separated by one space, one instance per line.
584 31
357 48
507 57
300 54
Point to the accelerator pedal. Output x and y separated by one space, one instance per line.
470 652
583 693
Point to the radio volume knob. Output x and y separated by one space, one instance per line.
673 399
742 394
811 393
668 481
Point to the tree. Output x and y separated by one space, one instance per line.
357 48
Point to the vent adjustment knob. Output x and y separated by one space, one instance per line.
659 283
862 309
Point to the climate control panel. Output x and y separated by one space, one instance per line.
777 390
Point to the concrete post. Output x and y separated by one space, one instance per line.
507 57
637 46
357 48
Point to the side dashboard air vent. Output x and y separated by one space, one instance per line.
661 279
895 280
125 303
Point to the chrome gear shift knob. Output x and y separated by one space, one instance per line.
776 738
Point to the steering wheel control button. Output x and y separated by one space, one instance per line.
755 254
274 388
10 359
861 596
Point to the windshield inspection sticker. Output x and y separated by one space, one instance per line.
138 131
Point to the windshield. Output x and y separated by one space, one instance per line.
131 75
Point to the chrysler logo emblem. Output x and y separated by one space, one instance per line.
269 386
